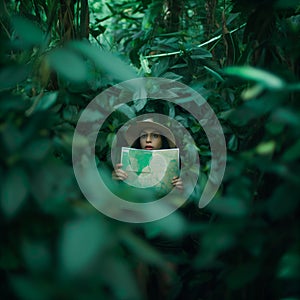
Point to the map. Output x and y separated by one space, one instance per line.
151 168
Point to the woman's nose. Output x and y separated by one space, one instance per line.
148 139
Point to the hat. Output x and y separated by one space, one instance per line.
133 132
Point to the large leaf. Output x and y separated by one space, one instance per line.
264 78
14 191
68 64
82 242
29 33
106 61
13 74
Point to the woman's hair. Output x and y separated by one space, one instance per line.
164 145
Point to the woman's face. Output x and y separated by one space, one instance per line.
150 139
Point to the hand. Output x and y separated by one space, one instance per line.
177 182
118 173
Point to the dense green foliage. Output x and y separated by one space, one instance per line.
243 57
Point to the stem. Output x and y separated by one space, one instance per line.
201 45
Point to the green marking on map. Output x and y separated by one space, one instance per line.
142 159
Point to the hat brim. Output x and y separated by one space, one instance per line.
133 132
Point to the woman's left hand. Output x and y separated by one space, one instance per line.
177 182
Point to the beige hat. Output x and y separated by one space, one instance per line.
133 132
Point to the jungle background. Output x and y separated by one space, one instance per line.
243 56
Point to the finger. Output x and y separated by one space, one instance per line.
122 174
179 186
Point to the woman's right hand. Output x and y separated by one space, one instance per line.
118 173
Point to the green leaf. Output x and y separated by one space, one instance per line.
217 238
36 150
47 101
36 255
282 202
106 61
200 53
70 114
233 143
173 226
292 153
29 32
68 64
82 242
142 249
266 148
284 4
289 266
140 104
242 275
231 207
28 288
252 92
126 110
172 76
14 191
286 116
215 74
12 75
262 77
120 278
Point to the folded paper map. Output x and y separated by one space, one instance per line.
151 168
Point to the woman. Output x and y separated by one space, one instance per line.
148 135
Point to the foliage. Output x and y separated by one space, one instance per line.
56 56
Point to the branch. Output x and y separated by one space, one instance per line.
201 45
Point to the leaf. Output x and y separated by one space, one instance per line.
242 275
36 255
290 4
68 64
252 92
140 104
126 110
172 226
200 53
282 202
286 116
28 288
36 150
289 266
266 148
12 75
233 143
142 249
29 32
47 101
217 238
120 278
292 153
12 138
82 241
91 115
14 191
215 74
172 76
231 207
106 61
262 77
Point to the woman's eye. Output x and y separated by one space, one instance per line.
155 135
143 136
